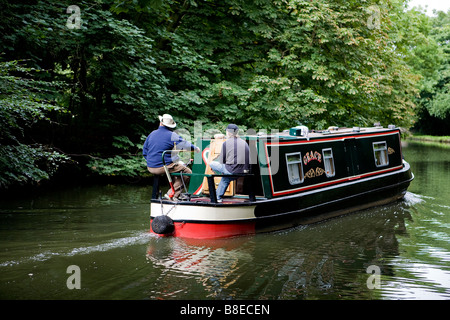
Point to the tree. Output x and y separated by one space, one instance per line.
262 64
112 86
265 63
23 102
439 106
430 58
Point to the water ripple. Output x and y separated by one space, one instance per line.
418 280
137 238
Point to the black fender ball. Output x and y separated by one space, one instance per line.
162 225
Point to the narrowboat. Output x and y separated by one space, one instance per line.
296 177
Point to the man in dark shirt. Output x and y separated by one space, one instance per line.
165 139
234 158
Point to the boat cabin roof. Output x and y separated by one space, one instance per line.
299 132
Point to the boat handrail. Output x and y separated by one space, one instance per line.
172 150
238 175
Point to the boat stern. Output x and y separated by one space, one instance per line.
201 221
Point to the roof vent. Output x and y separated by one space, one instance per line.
299 131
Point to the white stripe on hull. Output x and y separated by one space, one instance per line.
203 213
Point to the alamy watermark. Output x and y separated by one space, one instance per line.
268 146
374 280
74 280
74 21
374 20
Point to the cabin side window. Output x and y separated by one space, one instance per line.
294 167
328 162
380 152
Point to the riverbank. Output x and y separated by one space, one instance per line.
442 142
428 138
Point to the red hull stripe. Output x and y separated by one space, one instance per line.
212 230
325 184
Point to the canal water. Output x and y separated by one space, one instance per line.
397 251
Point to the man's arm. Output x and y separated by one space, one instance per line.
223 153
145 148
183 144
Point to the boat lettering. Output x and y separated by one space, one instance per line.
310 156
314 172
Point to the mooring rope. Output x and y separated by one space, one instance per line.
162 207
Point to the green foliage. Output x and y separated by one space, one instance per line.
23 102
430 57
129 165
23 99
23 164
262 64
266 64
439 105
